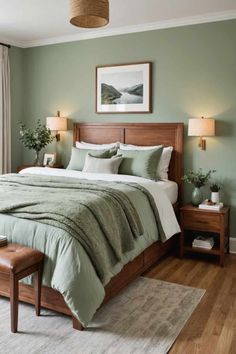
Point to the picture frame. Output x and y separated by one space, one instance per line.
124 88
49 160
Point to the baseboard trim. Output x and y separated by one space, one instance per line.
232 245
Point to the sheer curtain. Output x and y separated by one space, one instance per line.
5 112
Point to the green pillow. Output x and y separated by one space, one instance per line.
78 156
142 163
98 165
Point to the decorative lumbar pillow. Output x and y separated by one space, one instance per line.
83 145
163 166
102 165
78 157
142 163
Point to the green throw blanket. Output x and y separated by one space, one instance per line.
98 214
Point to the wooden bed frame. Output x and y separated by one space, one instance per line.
146 134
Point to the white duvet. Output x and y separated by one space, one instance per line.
164 206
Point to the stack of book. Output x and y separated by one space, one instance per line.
206 205
203 242
3 241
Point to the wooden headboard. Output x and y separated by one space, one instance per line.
146 134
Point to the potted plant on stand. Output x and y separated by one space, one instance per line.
198 179
215 195
36 139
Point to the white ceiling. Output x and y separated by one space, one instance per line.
28 23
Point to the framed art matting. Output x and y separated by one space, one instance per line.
49 159
124 88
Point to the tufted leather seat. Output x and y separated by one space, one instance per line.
19 261
16 258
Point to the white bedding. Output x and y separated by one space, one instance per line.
163 192
170 188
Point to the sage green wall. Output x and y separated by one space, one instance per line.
194 74
17 89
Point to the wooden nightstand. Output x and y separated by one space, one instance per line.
193 219
19 168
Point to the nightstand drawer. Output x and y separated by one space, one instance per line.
201 222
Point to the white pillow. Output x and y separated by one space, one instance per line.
163 166
99 165
83 145
137 147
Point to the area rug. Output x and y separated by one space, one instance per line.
146 317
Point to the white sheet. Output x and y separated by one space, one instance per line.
157 190
170 188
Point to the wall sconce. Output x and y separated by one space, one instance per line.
201 127
56 124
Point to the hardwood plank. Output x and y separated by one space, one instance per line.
165 267
227 340
216 321
212 327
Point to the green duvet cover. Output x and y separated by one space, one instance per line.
87 231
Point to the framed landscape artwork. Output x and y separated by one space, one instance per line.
124 88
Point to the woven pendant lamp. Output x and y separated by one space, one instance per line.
89 13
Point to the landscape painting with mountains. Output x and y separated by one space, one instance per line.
122 88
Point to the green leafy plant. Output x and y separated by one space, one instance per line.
35 139
215 187
198 178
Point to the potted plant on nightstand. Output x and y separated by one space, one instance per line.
35 139
215 195
198 179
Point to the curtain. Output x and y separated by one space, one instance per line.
5 112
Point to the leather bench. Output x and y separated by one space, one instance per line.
19 262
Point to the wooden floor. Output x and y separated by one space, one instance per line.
212 327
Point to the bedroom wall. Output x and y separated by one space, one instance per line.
194 75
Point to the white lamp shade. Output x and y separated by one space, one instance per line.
201 127
57 123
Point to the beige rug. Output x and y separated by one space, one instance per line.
146 317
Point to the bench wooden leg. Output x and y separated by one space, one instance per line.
14 292
76 324
37 288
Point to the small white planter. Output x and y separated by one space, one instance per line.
215 197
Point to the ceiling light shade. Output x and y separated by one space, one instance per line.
89 13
